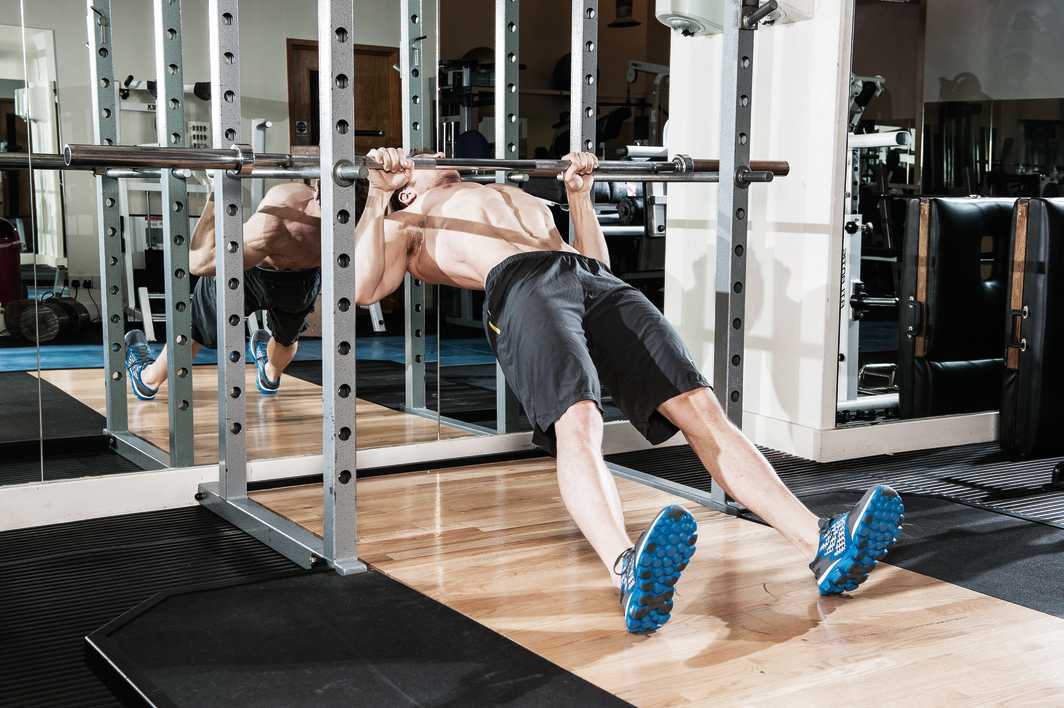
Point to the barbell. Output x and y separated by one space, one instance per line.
240 160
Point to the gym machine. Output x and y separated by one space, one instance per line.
866 392
856 300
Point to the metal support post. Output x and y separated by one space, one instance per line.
414 336
507 47
415 85
583 88
224 22
507 147
583 76
336 88
259 126
737 62
416 104
849 325
112 303
170 122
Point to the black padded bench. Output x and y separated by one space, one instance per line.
1032 401
953 282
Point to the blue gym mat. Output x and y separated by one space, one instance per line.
456 352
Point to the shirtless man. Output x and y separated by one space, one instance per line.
559 321
282 255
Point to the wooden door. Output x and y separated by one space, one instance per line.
16 183
377 95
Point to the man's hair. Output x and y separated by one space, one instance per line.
361 195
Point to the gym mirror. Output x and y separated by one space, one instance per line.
955 112
24 279
397 401
468 375
398 348
279 107
632 86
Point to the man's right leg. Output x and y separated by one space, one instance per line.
587 487
646 571
147 374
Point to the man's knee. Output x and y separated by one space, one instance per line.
284 343
582 420
694 409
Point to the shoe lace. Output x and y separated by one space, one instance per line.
141 355
622 567
833 533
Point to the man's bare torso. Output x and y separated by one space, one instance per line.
287 228
459 231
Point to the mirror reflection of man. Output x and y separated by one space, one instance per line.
282 255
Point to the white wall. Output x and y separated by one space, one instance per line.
264 26
800 105
11 66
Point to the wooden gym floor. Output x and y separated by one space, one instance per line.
284 425
495 543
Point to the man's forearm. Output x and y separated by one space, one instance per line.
201 245
587 233
201 262
370 255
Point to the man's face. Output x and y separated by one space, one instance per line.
423 181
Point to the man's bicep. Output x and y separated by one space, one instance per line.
395 265
376 281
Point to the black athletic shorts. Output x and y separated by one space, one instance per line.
287 296
560 323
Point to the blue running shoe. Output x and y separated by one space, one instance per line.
852 543
259 340
649 570
138 356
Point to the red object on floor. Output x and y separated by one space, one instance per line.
10 263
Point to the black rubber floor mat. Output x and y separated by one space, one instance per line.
325 640
995 554
972 474
59 583
62 415
62 459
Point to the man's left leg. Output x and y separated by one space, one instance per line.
740 468
154 372
651 375
279 357
272 357
843 549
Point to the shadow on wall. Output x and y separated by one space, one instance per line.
995 49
